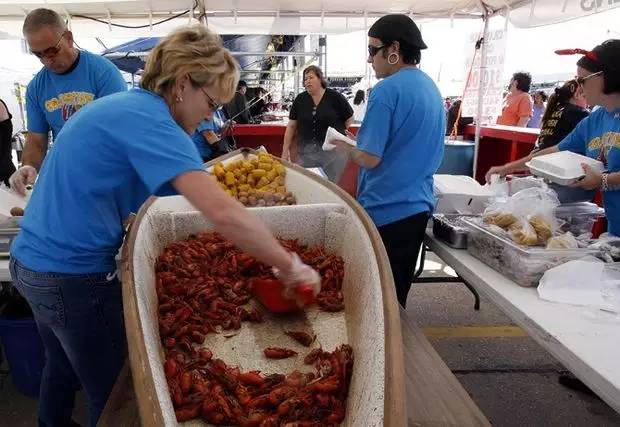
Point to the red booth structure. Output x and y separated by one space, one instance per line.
500 144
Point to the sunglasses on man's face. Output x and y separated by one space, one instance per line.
50 51
581 80
373 50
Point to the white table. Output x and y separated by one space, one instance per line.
585 340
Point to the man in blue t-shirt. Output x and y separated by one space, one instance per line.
399 145
69 79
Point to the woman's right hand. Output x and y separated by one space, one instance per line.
496 170
286 154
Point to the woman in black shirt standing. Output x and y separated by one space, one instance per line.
6 148
312 112
565 109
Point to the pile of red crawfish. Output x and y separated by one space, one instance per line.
203 285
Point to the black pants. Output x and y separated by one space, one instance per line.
402 240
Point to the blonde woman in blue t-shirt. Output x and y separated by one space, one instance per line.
63 262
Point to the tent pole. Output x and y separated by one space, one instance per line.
483 67
202 12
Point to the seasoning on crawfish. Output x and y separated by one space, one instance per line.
202 286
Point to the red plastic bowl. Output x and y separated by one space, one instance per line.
270 293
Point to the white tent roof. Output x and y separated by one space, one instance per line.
282 16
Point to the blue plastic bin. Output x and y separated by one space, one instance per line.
24 353
458 158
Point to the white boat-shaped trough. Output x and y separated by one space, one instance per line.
325 215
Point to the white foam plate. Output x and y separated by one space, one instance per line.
333 135
563 167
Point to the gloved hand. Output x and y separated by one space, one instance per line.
298 274
26 175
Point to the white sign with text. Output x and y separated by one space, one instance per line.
491 78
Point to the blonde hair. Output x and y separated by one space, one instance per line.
194 51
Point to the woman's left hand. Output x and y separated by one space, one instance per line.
591 181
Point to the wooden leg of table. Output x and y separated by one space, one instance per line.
121 410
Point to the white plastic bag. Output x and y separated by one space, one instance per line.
333 135
584 282
535 206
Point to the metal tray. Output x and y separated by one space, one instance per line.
524 265
450 229
9 228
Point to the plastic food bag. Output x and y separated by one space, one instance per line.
523 233
517 184
586 282
528 213
563 241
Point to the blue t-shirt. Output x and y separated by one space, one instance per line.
404 126
216 123
74 220
204 148
51 99
598 137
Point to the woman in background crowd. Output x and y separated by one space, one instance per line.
538 109
359 106
566 108
312 112
517 108
7 167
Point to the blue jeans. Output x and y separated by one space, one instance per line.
80 319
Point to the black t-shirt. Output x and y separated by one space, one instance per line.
6 132
312 122
561 122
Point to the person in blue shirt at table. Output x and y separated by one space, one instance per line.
70 78
63 262
399 144
209 134
598 135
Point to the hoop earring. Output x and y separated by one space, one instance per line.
393 62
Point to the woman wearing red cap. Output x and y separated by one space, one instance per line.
597 136
399 145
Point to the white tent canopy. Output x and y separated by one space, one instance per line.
281 16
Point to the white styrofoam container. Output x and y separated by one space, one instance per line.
460 194
563 167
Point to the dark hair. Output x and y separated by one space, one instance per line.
241 84
559 98
608 61
411 55
542 94
523 79
359 97
317 72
